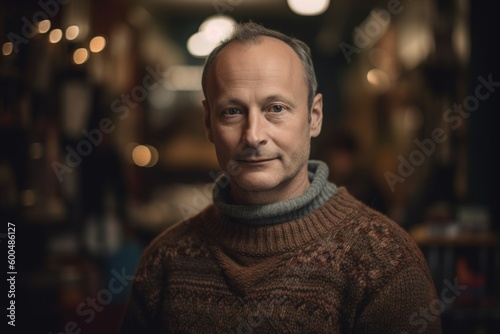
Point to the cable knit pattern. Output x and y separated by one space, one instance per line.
337 266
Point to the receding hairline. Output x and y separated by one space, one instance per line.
253 33
257 40
254 40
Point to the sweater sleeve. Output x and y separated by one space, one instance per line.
134 320
142 310
406 304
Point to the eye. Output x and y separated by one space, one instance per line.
277 108
231 111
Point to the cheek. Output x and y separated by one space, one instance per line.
293 137
225 141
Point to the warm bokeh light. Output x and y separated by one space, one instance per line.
97 44
217 27
145 155
416 43
7 48
154 156
211 32
55 35
308 7
80 56
72 32
379 79
43 26
199 45
141 155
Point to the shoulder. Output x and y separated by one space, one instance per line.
370 227
183 237
179 241
374 242
385 270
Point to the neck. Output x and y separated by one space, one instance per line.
289 189
318 190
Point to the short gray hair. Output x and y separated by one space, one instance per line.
252 33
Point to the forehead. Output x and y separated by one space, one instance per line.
266 60
264 45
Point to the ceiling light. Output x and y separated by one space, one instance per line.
211 32
218 27
199 45
308 7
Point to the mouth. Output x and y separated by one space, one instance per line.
255 161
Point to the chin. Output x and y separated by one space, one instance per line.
252 182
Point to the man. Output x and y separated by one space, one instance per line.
281 250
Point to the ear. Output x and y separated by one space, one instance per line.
316 115
208 124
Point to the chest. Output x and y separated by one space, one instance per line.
201 298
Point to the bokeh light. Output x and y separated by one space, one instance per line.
55 35
43 26
7 48
72 32
80 56
308 7
97 44
211 32
145 155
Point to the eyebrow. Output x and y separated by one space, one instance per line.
279 97
267 99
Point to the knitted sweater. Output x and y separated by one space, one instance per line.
319 263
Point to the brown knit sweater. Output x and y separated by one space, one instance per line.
332 266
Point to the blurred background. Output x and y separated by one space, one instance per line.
103 145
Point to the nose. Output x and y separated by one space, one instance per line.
254 133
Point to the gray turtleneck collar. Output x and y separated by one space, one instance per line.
319 191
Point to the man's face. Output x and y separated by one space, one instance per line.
256 114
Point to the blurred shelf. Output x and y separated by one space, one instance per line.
424 237
472 313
